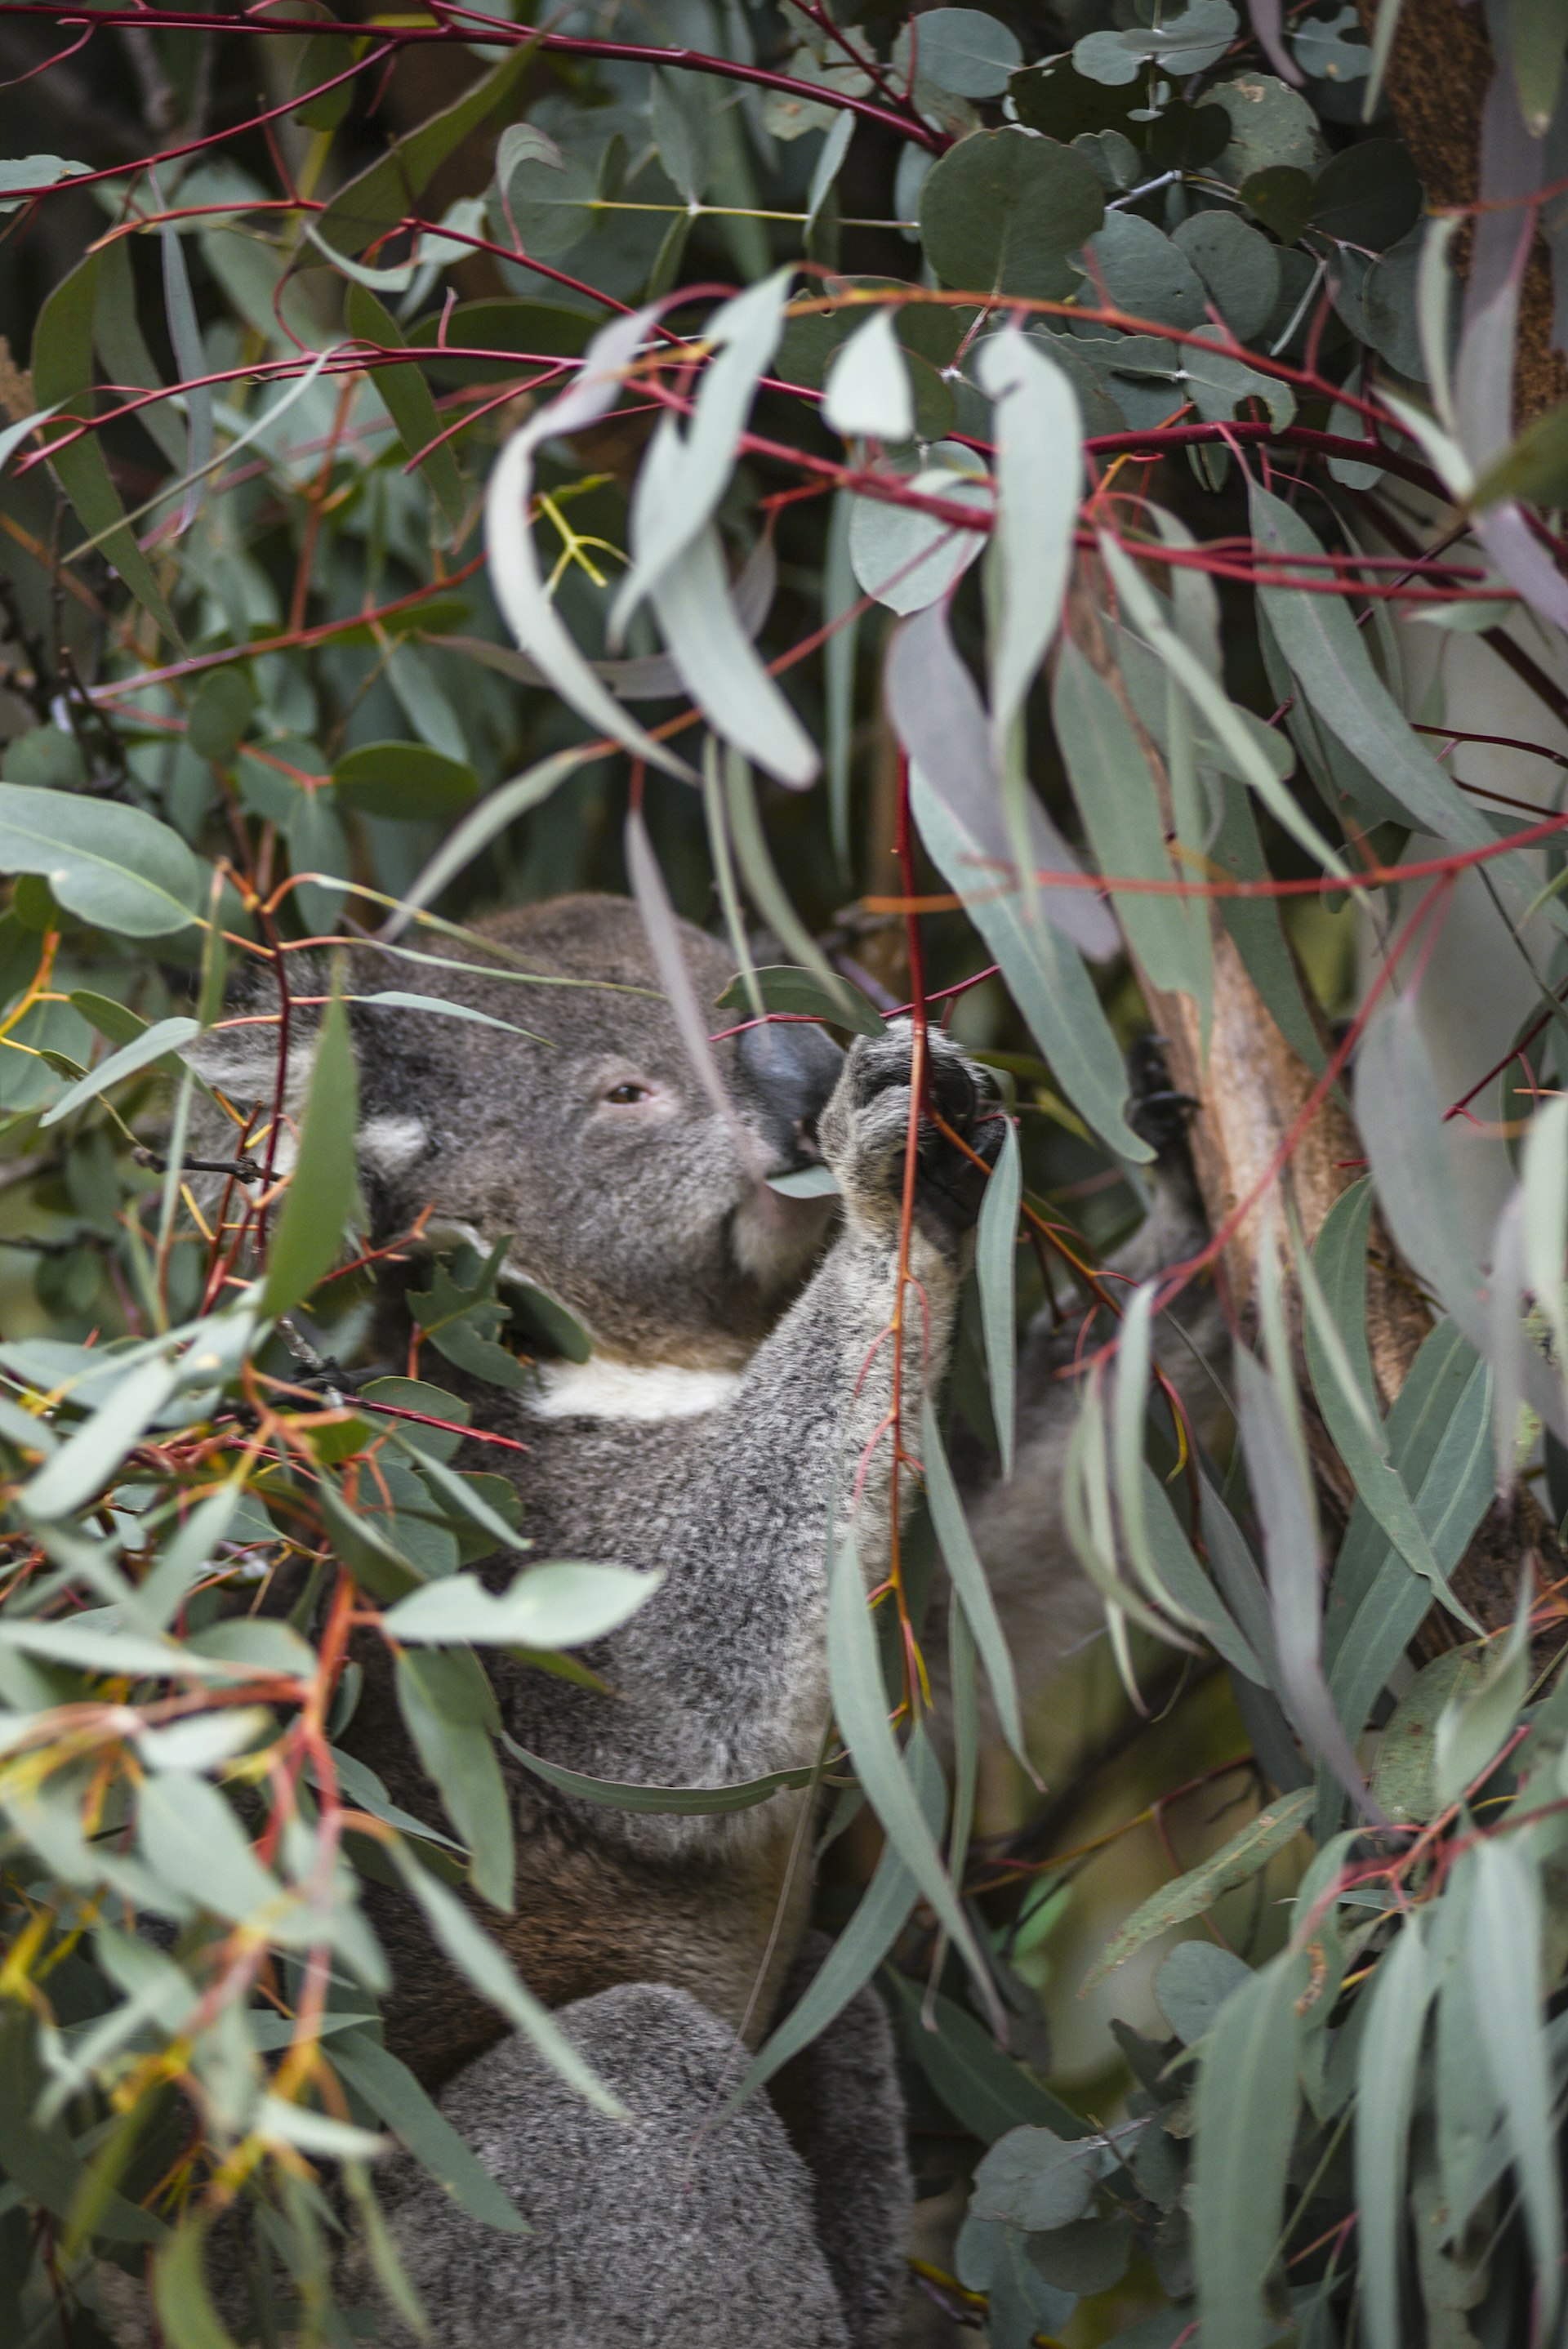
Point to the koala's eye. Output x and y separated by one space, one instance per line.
624 1095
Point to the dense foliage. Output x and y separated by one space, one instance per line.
406 513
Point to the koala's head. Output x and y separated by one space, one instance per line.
623 1190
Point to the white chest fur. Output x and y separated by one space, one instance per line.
599 1388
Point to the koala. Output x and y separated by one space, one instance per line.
729 1427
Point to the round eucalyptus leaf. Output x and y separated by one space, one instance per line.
47 755
1368 195
1144 273
1117 165
906 559
1001 213
1270 124
1388 306
1059 101
1183 137
928 337
548 203
1323 50
406 780
1193 1985
1188 44
1282 198
1239 267
220 715
960 50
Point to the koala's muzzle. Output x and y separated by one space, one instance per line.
789 1070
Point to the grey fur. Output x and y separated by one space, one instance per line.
648 1219
669 1943
678 2228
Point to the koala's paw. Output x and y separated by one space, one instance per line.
864 1132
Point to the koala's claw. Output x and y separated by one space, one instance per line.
864 1131
1157 1114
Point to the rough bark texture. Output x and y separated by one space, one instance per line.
1251 1091
1440 69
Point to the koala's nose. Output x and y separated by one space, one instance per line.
790 1068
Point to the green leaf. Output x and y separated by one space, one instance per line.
721 667
406 780
1536 42
868 389
980 2085
1115 794
414 1394
1503 1951
1368 195
322 1188
1236 1862
1270 124
390 2089
1386 2086
1037 2178
376 199
995 1257
768 892
1404 1782
1144 273
154 1045
33 171
1328 657
562 1605
1535 465
180 2293
879 1919
1239 268
192 1841
1187 43
1439 1435
449 1720
88 1458
1043 973
363 1549
404 393
970 1588
461 1323
962 51
1035 424
999 213
1244 2109
1476 1721
860 1706
1281 196
116 868
907 559
680 1802
520 587
684 475
783 987
1341 1370
1195 1983
220 714
63 378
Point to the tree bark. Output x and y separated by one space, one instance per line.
1251 1090
1440 69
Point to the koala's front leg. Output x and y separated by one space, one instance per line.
803 1455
